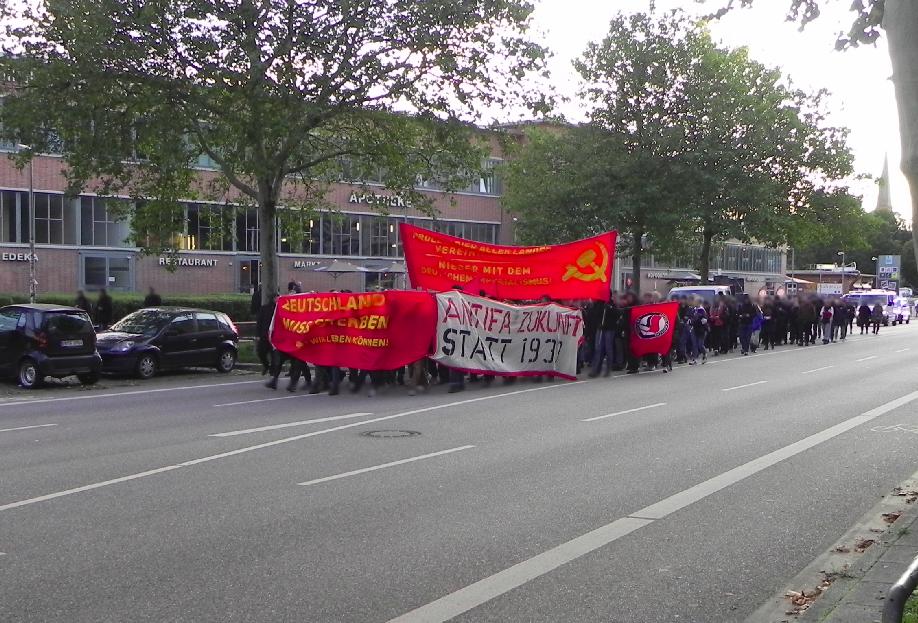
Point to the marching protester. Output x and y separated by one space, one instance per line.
825 320
863 318
876 317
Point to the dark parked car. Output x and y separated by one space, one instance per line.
159 338
37 341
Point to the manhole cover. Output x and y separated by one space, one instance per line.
386 434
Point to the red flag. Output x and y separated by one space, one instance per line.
368 331
577 270
652 328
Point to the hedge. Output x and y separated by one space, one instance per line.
236 306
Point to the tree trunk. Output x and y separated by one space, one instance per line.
704 262
636 254
899 21
267 239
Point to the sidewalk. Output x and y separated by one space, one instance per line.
860 595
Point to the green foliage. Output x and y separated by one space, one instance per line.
283 96
911 609
865 28
689 145
236 306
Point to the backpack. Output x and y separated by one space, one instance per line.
826 315
716 319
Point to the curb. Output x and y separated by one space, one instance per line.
846 568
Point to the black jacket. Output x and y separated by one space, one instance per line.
263 321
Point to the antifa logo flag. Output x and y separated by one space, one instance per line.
652 328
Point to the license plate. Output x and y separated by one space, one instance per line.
71 343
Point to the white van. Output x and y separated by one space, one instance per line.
708 293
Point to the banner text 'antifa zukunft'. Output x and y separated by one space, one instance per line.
480 335
368 331
572 271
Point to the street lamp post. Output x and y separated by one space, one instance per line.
842 254
876 271
32 281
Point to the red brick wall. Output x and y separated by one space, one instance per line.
55 270
186 279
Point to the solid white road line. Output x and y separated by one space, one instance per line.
602 417
6 430
251 402
730 389
260 429
90 396
474 595
865 358
276 442
383 466
902 350
817 370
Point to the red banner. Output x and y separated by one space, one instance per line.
652 328
370 331
577 270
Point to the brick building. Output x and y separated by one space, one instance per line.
80 245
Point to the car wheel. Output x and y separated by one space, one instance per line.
146 366
226 360
29 377
90 378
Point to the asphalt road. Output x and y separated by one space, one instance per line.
697 498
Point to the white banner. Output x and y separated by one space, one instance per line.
481 335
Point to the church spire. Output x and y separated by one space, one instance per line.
884 203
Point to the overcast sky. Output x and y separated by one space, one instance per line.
862 94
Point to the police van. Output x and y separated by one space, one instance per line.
886 298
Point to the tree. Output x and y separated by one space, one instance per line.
637 99
899 20
278 93
756 148
686 141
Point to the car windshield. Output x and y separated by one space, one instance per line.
145 322
868 299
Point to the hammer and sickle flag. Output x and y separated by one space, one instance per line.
587 262
579 270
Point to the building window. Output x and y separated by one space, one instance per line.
341 235
300 233
247 230
209 227
49 218
380 236
114 272
11 205
98 228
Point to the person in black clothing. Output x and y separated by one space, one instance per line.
606 320
83 303
104 309
746 313
863 318
152 299
255 304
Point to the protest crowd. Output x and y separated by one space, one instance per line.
486 311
